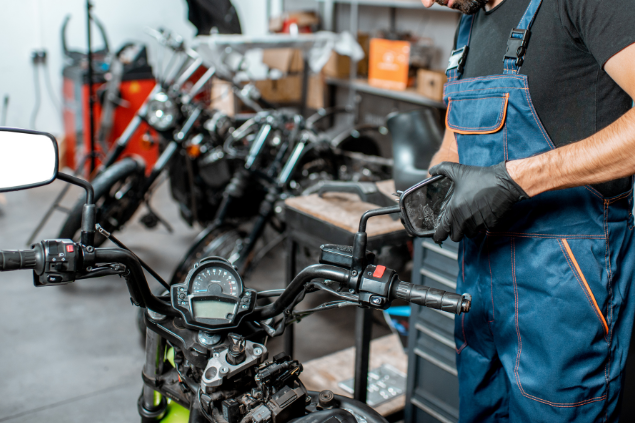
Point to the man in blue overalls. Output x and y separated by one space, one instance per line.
539 117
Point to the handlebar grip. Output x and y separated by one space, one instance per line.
16 260
432 297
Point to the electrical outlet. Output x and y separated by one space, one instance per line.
38 57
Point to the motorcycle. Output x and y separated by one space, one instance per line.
206 354
190 143
286 157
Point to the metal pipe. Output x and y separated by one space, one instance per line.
254 151
91 97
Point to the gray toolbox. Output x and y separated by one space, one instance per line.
432 393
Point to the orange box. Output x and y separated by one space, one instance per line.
388 64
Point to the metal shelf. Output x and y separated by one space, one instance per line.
403 4
409 95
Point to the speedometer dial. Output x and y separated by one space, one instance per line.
215 281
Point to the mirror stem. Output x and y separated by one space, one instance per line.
88 213
376 212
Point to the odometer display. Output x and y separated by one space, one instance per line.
215 281
213 309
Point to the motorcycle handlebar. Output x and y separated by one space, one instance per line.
137 283
431 297
16 260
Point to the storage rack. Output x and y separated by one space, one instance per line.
353 83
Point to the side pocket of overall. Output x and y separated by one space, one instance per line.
584 285
559 294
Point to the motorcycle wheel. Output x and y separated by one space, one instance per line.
222 241
112 213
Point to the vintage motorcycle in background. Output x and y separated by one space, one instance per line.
206 353
190 138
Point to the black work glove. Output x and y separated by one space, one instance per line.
482 195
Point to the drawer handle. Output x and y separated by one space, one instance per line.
430 411
445 281
442 339
436 362
435 248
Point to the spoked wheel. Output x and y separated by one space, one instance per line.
116 200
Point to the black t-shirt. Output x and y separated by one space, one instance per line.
570 42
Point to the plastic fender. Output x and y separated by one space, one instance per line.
175 413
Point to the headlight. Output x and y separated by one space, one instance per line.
162 112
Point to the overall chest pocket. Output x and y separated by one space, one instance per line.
479 126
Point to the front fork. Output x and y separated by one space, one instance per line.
152 406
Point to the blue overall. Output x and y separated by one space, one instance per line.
549 330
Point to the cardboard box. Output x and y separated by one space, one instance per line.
289 90
283 90
223 97
362 66
339 66
430 84
316 97
388 64
286 60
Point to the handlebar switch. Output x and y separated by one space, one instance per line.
374 288
61 260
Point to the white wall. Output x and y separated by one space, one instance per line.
27 25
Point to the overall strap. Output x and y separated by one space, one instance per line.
458 56
518 39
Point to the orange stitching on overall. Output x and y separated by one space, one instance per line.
491 279
464 130
610 285
541 128
459 350
505 142
483 78
594 192
577 272
619 197
520 347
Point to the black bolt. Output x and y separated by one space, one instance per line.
325 398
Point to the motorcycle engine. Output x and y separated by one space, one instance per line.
265 391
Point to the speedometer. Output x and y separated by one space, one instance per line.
213 295
215 281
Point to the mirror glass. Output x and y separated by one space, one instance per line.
423 204
27 159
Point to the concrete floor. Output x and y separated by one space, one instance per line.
74 354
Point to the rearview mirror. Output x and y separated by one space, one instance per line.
422 205
27 159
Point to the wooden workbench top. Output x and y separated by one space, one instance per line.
326 372
344 211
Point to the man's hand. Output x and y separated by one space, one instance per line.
482 195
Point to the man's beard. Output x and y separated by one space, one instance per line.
469 7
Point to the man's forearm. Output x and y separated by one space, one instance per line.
448 152
605 156
444 155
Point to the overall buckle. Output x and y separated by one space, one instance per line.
516 47
457 59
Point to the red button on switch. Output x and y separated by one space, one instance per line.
379 271
70 248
